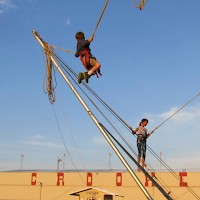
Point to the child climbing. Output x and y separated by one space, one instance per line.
142 136
83 51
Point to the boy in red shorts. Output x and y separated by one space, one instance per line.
83 51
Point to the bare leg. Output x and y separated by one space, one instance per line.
94 69
143 163
138 163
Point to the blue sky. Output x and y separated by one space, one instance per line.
150 64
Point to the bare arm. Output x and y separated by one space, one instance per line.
90 39
149 134
133 131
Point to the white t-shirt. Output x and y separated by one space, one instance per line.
141 130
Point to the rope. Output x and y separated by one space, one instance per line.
65 146
65 50
48 81
175 113
104 8
72 137
98 22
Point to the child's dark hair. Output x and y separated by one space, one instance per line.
144 120
80 36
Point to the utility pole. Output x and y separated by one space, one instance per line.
22 157
40 184
58 163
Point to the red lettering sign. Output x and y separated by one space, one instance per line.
60 180
118 179
182 183
33 178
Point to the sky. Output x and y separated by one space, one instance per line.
150 65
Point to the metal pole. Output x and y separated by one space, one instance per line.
40 184
58 163
99 126
22 156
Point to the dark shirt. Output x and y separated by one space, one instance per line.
81 46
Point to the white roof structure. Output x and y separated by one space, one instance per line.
107 192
